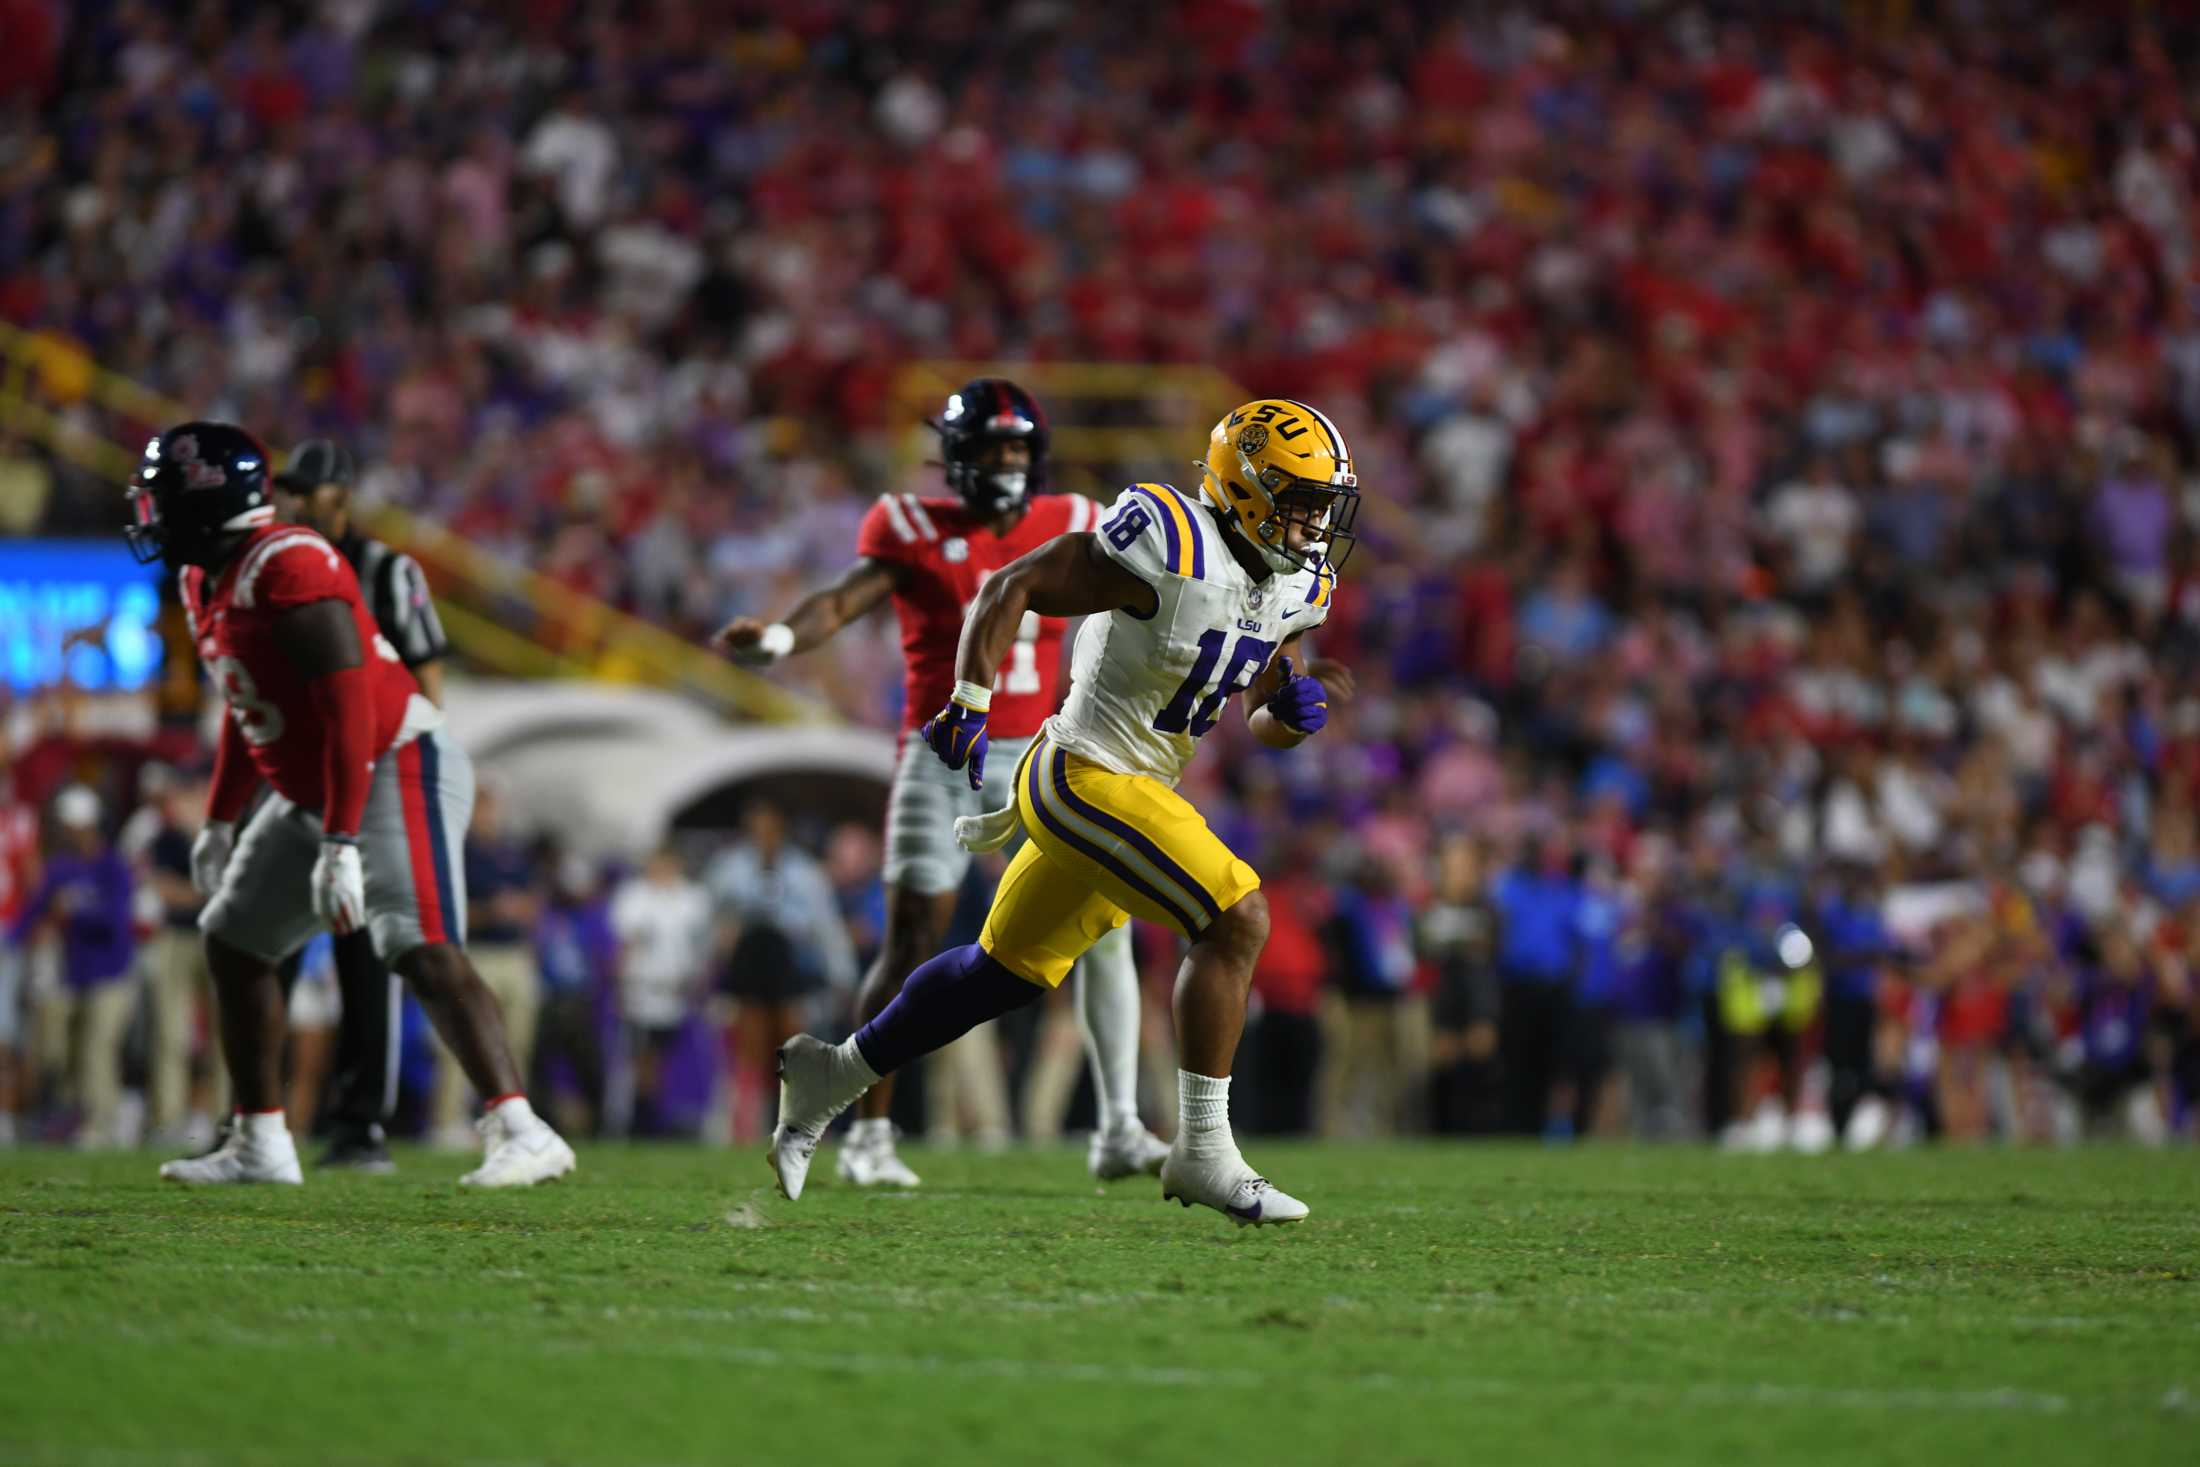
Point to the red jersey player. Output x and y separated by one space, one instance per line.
930 555
369 802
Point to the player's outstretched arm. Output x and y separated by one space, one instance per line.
815 619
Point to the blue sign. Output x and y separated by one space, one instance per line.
51 588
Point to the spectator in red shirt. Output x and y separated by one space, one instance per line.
1283 1040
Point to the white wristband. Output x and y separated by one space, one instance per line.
776 641
973 695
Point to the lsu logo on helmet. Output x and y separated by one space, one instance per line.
1276 462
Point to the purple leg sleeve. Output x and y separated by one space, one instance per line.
944 999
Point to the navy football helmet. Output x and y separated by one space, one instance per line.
199 486
983 411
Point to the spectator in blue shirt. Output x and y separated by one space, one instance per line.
2173 858
1709 915
1564 617
577 954
1651 1002
1371 1029
85 901
1538 961
2113 1080
1598 913
1854 943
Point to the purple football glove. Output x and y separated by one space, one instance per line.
1301 704
957 734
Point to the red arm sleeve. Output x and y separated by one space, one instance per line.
344 702
235 775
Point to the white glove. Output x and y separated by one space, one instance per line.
340 887
210 855
773 643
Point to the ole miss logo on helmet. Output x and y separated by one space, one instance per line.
197 473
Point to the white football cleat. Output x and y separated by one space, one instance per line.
519 1156
1869 1124
1126 1152
873 1162
1225 1183
813 1089
240 1158
1810 1132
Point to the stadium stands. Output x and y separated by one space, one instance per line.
1782 434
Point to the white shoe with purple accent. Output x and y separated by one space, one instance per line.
817 1081
1224 1182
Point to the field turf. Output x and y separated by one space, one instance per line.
1443 1305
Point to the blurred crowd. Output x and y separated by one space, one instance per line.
1682 991
623 987
1781 427
644 1000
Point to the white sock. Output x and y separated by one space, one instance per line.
870 1132
1203 1112
1107 1015
264 1125
518 1114
852 1073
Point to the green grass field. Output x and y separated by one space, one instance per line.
1443 1305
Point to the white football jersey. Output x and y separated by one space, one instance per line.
1145 688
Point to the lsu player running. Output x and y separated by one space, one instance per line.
932 556
1192 601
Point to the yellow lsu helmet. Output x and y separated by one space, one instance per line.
1274 463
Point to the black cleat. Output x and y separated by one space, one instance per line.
358 1152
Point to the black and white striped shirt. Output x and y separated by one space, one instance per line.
397 594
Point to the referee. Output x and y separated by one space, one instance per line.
314 489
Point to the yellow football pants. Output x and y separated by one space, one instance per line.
1103 847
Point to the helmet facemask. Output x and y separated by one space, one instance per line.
147 535
987 489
